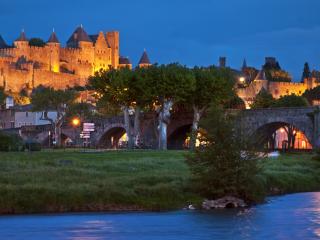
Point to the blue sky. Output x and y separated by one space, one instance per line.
185 31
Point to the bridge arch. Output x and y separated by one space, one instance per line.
282 135
178 137
113 137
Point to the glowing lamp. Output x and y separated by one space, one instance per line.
76 122
242 79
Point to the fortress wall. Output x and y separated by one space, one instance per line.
15 79
57 80
278 89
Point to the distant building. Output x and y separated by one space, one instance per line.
19 116
247 90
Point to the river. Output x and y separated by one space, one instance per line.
295 216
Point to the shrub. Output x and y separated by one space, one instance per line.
227 165
33 146
11 142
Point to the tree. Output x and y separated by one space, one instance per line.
263 100
115 91
312 94
45 99
36 42
82 110
228 164
290 101
211 85
169 84
235 102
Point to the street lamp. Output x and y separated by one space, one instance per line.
75 123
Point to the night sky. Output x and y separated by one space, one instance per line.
185 31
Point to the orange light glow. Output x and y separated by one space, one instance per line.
76 122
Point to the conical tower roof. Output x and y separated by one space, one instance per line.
22 37
79 35
53 38
244 64
2 43
144 58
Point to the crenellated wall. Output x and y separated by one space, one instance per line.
277 89
52 65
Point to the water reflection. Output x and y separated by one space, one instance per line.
292 217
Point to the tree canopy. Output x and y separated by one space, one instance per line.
263 100
37 42
290 101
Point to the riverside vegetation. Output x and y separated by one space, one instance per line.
59 181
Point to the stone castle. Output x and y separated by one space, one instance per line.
247 90
24 67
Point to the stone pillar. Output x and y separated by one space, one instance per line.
316 128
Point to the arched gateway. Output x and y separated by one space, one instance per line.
262 123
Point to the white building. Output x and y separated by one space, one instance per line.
24 117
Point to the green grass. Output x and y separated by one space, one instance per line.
76 181
53 181
291 173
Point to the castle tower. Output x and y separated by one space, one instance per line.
144 60
113 41
85 58
124 62
54 50
21 41
102 52
222 62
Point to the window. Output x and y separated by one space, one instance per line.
11 124
27 114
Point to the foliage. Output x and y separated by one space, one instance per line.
37 42
45 99
234 103
263 100
312 94
82 110
211 85
290 101
112 87
32 146
227 165
11 142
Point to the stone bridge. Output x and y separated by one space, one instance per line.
109 130
251 122
264 121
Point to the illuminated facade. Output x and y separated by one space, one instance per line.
24 67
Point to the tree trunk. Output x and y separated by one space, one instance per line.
197 114
164 119
127 126
137 127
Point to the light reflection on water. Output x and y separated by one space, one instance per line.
295 216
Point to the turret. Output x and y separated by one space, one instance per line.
79 39
144 60
113 41
54 47
22 41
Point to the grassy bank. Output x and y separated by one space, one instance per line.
76 181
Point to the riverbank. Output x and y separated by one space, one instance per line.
58 181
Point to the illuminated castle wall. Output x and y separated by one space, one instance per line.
23 66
